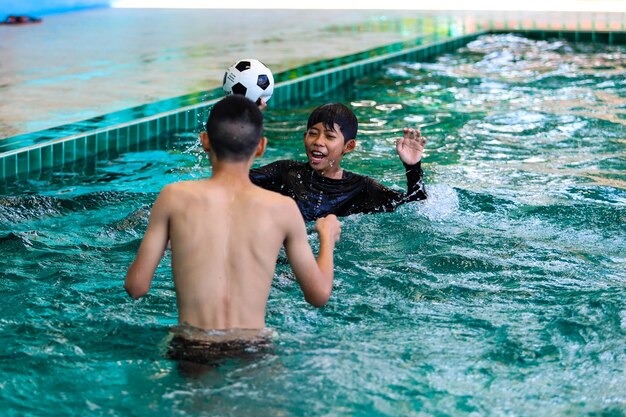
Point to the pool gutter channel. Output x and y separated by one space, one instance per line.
84 150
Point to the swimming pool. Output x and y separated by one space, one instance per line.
503 294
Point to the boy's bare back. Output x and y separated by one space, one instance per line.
225 240
226 233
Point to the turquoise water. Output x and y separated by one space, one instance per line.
503 294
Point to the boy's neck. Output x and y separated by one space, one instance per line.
231 171
335 174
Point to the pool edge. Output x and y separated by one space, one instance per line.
147 131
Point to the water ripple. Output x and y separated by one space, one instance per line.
502 293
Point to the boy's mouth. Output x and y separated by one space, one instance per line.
316 157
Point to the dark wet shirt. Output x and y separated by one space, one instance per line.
318 196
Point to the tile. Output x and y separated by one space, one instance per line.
112 138
133 138
172 124
102 142
34 161
181 120
47 158
23 165
142 136
162 123
69 152
152 129
123 135
10 166
81 147
58 154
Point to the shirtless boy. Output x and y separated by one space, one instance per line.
226 234
321 187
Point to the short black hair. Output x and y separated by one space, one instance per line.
332 113
235 127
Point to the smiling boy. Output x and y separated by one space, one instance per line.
321 186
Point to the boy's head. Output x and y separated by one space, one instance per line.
234 128
335 113
330 134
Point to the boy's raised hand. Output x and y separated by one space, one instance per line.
410 147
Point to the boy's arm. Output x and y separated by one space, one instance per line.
141 271
315 276
415 183
376 197
410 149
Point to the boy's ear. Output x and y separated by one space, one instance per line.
260 148
349 146
206 143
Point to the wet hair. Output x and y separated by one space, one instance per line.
331 113
235 127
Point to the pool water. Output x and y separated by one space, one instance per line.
502 294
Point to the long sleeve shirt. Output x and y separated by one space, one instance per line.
318 196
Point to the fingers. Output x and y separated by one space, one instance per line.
421 140
261 104
411 136
410 133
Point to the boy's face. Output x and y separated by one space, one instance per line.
325 148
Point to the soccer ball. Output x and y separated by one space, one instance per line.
250 78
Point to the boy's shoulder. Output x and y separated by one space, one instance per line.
180 186
275 206
355 177
178 191
273 199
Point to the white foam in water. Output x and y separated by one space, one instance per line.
442 202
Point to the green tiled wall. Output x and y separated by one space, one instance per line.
609 38
146 131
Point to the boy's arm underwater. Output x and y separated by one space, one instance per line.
140 273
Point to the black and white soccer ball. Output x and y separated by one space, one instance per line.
250 78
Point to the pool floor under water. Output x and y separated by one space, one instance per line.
502 294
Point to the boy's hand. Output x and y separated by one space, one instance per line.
410 147
261 104
328 227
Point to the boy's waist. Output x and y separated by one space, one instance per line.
212 346
196 334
